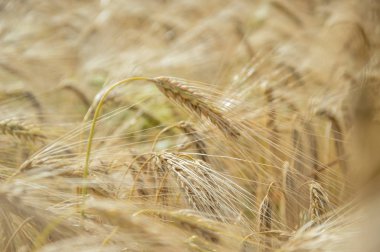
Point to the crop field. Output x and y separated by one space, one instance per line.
190 125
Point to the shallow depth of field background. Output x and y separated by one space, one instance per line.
263 134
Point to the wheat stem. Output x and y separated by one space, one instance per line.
93 124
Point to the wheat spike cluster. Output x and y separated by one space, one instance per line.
198 126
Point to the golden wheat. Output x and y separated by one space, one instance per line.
21 130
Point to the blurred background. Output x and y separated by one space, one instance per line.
302 74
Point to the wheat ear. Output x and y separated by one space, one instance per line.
319 202
338 137
197 195
265 220
28 95
265 215
21 130
196 102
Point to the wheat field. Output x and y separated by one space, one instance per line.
189 125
